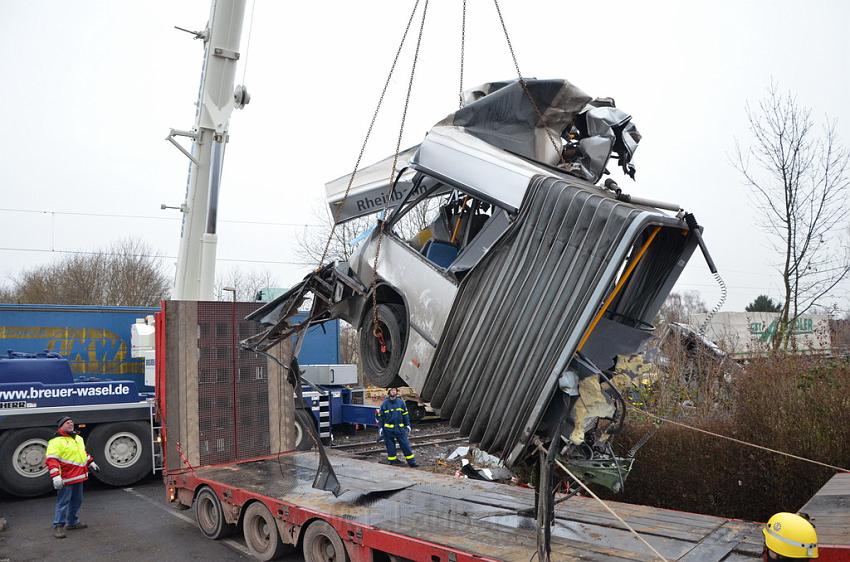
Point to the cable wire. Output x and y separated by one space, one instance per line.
723 294
248 44
740 442
151 217
154 256
602 502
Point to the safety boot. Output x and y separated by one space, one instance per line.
59 531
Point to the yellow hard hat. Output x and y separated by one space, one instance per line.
790 535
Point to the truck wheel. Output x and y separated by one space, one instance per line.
322 544
303 420
122 450
381 365
23 471
261 534
210 515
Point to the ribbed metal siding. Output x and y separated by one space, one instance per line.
516 311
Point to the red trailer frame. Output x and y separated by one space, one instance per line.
394 514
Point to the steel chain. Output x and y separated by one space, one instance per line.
368 134
462 47
376 329
522 83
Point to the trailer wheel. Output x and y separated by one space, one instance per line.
123 452
381 364
303 420
23 471
210 515
322 544
261 534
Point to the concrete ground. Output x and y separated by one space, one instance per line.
124 524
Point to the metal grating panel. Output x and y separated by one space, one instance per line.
218 396
233 385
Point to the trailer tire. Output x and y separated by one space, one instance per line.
210 515
381 368
123 452
322 543
303 419
23 471
261 535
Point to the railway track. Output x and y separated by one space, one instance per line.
425 440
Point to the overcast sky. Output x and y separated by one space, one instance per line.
92 88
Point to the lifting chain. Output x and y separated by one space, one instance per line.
462 45
555 143
392 179
368 134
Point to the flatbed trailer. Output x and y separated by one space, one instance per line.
829 510
392 513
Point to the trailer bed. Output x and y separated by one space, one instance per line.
478 519
829 510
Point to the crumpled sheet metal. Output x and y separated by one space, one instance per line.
502 114
518 312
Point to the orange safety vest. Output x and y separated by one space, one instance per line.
67 457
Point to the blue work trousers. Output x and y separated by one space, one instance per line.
69 498
390 436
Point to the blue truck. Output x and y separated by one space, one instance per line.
76 360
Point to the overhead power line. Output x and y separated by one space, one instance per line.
154 256
152 217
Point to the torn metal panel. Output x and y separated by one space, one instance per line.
519 314
552 122
505 117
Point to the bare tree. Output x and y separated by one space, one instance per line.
310 245
247 284
678 307
799 178
346 236
127 273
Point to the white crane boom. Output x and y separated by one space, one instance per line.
217 98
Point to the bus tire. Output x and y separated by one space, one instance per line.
381 367
122 450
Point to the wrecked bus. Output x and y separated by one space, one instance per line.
508 311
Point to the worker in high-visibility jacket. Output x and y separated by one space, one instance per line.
394 424
69 465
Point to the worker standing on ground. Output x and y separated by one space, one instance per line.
394 424
69 465
788 536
